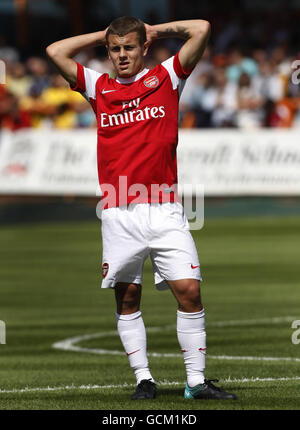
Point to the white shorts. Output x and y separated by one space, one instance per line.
131 235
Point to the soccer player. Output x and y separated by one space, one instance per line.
137 126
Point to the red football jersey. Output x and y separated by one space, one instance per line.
137 127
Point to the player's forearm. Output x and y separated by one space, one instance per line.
181 29
73 45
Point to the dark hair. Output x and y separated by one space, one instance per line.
127 24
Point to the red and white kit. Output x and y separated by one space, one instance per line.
137 127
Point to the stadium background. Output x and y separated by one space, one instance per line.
249 246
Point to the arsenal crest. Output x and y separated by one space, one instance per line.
105 267
151 82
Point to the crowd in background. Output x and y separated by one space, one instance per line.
230 87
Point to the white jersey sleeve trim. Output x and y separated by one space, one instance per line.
91 77
178 84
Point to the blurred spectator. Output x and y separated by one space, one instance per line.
268 82
85 115
204 66
285 112
7 53
249 104
38 109
188 99
61 101
225 103
214 100
11 116
204 100
18 81
239 64
259 56
39 71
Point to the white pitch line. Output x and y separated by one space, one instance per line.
67 387
125 385
69 344
274 320
248 358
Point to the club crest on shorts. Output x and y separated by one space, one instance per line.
151 82
105 267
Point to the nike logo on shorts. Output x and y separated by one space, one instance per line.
108 91
195 267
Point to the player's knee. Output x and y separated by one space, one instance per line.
193 292
192 299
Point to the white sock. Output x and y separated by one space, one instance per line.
192 339
132 333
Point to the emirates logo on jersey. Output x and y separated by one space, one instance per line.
105 267
151 82
129 115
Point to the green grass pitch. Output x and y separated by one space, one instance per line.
50 292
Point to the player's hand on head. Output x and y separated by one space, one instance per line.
150 34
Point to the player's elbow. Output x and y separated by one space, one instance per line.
203 28
52 50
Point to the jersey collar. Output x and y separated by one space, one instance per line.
132 78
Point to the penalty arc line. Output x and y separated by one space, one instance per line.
69 344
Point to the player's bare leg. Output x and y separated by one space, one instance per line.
192 340
133 336
128 297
